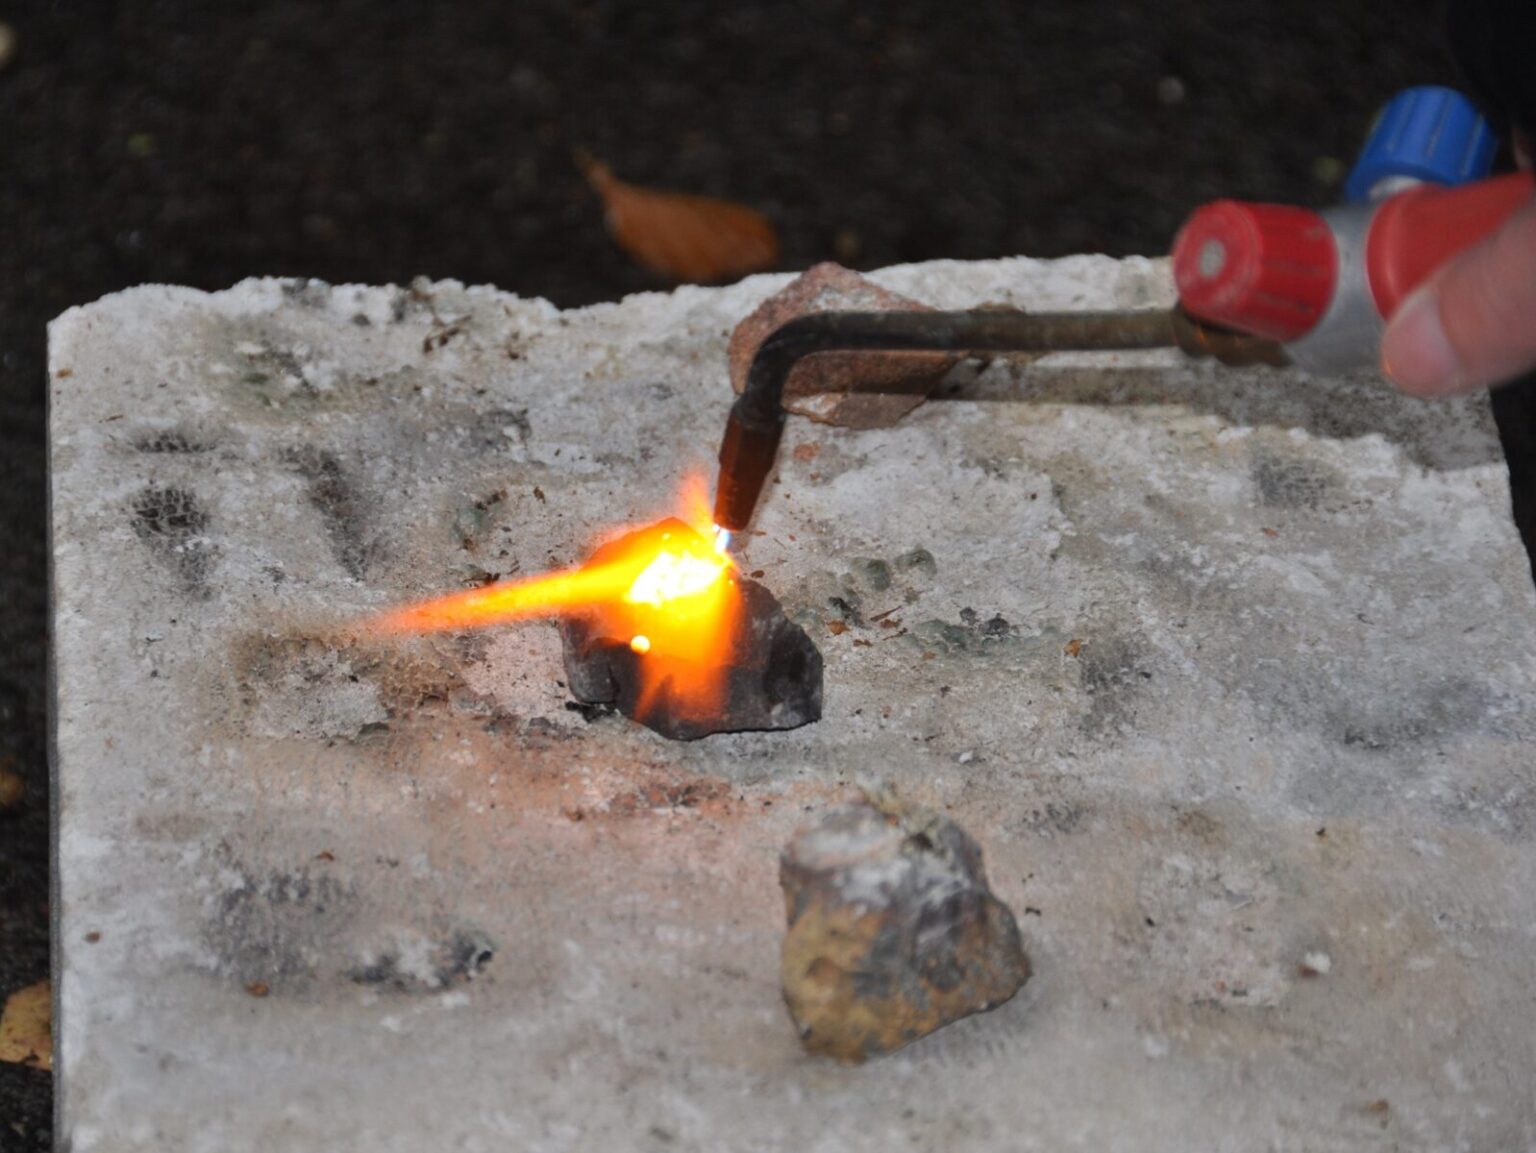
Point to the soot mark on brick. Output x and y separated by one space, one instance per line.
276 926
1112 674
416 964
995 627
919 561
1048 818
499 429
272 372
342 508
313 681
973 634
871 573
1289 482
591 713
173 441
1446 708
1401 749
173 523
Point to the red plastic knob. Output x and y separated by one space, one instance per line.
1268 269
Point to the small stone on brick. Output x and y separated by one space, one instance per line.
893 931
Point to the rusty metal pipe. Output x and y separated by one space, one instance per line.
756 422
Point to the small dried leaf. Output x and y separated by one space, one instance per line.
26 1036
681 236
12 788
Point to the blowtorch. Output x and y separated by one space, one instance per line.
1257 283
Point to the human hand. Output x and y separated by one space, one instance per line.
1474 323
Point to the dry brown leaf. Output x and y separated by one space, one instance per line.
26 1027
12 788
681 236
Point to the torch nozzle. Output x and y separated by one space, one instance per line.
746 459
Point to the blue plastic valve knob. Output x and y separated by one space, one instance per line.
1429 134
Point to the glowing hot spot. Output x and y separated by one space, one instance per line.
641 644
673 576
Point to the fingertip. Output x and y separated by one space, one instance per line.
1416 354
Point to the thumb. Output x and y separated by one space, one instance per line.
1474 323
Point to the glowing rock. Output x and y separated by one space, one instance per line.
761 672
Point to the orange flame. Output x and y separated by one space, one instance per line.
666 591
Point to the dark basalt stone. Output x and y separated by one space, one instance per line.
771 678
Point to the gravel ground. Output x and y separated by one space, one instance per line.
368 142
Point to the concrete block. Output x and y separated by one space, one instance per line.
1232 676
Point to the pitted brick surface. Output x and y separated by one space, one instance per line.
1226 671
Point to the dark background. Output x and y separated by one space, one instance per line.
373 142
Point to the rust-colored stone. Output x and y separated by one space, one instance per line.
852 389
893 932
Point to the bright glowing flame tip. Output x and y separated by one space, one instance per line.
674 575
665 591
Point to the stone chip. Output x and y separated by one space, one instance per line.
852 389
893 931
